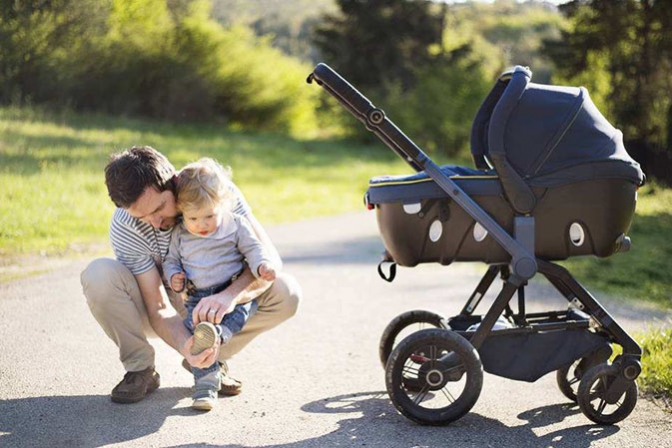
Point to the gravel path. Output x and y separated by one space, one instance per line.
314 382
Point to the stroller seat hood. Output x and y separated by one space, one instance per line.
553 136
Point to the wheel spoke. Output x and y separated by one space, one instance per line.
409 370
411 367
421 395
432 356
594 396
574 381
448 395
602 405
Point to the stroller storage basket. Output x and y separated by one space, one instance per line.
528 353
419 223
529 356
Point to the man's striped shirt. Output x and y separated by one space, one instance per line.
139 246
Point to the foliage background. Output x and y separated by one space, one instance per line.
161 59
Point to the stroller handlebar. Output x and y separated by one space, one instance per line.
373 118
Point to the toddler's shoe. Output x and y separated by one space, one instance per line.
205 391
230 385
205 336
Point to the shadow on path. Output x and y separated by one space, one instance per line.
86 420
376 423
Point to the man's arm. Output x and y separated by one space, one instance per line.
167 323
265 240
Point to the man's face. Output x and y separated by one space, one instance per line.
155 208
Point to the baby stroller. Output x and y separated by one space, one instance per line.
552 181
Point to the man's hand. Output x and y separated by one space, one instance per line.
204 359
213 308
177 281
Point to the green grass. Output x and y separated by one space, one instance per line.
656 377
645 272
655 381
53 196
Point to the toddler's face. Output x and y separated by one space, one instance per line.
202 221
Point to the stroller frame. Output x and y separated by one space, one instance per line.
522 267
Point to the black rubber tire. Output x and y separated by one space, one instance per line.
388 341
440 342
592 387
568 386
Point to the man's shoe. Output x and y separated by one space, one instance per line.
136 385
230 385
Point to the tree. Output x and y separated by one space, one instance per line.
634 38
160 58
36 38
380 41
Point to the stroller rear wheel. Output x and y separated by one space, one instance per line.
434 377
404 325
593 398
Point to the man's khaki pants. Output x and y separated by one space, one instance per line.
115 301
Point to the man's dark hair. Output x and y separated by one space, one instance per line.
129 173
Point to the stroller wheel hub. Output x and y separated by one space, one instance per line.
434 378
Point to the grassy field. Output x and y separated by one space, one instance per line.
53 197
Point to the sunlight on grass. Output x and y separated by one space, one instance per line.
656 377
53 196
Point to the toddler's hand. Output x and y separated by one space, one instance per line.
177 281
266 272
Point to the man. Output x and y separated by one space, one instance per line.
128 298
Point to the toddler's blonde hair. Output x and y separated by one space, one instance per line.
204 183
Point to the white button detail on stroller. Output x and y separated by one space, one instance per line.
552 181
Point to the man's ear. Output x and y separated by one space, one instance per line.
172 185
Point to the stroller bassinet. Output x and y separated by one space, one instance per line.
552 181
571 173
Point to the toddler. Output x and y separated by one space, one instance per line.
208 250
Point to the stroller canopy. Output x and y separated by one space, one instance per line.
551 136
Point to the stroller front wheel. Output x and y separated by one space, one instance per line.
568 379
593 395
434 377
405 324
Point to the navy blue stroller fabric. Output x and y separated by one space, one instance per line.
555 136
396 188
